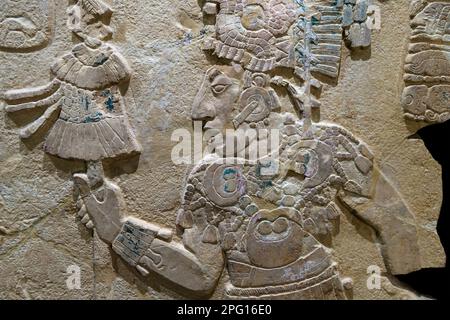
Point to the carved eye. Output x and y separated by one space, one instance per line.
220 84
219 88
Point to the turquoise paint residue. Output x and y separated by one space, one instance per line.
85 102
229 171
263 183
314 21
100 60
307 158
266 184
203 32
94 118
227 188
188 37
305 35
109 103
230 174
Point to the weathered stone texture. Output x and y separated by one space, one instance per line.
141 227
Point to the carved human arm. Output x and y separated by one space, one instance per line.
382 207
15 96
148 247
52 102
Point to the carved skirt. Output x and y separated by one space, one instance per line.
110 137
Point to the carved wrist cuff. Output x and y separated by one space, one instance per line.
133 241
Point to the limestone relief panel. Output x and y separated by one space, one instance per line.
269 210
283 252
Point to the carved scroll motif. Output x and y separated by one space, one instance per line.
25 24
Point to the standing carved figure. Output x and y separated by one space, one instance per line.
86 94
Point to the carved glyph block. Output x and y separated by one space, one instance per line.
25 24
426 96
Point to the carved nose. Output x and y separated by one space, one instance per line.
417 21
203 111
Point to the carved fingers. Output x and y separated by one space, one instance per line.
53 101
83 215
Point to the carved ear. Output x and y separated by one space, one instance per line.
237 69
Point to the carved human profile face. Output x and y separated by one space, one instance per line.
216 98
434 19
99 31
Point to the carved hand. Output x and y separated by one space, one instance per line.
104 207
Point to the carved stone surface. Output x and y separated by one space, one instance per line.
427 67
85 94
25 24
339 191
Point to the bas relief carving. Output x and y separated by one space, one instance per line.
85 94
25 24
426 97
271 230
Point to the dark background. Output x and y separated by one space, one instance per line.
436 282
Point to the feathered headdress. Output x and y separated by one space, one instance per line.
96 7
